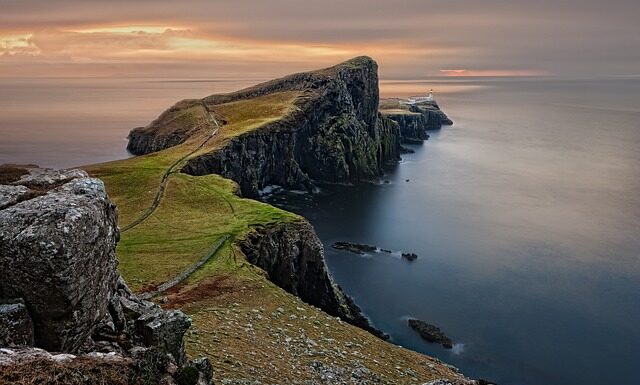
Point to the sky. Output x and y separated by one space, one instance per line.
410 39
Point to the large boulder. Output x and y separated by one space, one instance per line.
58 231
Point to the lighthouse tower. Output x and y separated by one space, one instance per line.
430 96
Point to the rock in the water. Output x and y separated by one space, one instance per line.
356 248
430 333
16 328
410 256
406 150
58 254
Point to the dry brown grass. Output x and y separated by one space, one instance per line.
76 372
11 173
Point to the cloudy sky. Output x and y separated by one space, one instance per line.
410 39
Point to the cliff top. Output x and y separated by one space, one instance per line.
249 327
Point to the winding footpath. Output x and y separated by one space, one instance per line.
156 202
165 177
185 274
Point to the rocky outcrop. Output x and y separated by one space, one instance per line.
414 121
172 127
356 248
145 366
413 126
430 333
293 257
334 134
58 254
58 235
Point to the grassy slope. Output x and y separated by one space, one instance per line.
227 293
393 107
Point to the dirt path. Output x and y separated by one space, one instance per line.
165 177
185 274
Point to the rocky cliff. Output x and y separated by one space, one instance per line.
414 121
293 257
334 134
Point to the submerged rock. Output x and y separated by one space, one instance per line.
430 333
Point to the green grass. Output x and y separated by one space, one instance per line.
227 291
194 211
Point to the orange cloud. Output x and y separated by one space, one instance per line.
491 73
18 44
137 44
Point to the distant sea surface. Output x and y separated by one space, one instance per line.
525 214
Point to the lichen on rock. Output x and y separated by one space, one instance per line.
57 259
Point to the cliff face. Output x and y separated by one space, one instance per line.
334 135
293 257
416 120
171 128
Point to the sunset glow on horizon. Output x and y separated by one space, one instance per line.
222 39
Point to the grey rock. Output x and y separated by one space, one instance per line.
10 195
430 333
58 253
293 257
165 330
13 356
16 328
204 366
48 178
415 122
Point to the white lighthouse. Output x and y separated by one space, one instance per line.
420 99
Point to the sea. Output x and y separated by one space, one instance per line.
525 214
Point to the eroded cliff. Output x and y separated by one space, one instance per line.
334 134
414 120
293 257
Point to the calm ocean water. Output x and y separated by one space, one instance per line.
525 214
526 219
78 121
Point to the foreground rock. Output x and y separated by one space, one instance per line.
58 254
28 366
58 232
430 333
